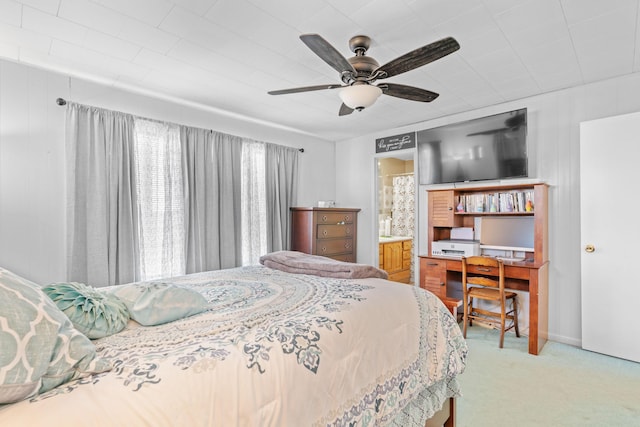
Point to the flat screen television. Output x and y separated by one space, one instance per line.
487 148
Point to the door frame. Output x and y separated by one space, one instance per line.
406 154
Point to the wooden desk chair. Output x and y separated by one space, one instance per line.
481 284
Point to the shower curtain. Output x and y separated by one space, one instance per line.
403 211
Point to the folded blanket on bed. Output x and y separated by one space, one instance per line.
301 263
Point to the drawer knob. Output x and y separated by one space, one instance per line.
341 223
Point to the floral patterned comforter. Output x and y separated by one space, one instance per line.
274 349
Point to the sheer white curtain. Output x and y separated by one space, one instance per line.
254 218
158 156
102 206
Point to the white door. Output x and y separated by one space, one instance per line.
610 235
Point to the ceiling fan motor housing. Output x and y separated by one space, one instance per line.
364 65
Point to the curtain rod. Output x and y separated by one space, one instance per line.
61 102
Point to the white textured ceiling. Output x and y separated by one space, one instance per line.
226 54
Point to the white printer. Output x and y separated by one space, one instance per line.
455 248
461 244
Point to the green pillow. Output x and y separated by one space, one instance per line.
154 303
39 347
95 314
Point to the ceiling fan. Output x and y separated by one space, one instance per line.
360 72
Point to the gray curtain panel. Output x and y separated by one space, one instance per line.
102 245
281 173
212 168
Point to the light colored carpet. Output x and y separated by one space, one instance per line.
562 386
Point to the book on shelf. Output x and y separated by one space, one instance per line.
499 202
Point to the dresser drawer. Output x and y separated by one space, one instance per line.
343 257
328 231
335 217
406 245
334 246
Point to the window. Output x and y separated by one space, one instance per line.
159 186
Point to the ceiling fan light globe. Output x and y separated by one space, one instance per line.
360 96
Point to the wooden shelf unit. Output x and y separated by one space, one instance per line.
442 215
531 275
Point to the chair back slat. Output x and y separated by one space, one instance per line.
488 280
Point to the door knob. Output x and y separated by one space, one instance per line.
589 249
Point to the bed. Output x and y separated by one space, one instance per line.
271 348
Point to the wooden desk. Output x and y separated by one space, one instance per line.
438 275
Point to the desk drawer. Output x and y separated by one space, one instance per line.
483 270
334 246
327 231
430 264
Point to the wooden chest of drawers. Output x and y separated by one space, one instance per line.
329 232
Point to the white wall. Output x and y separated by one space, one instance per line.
32 164
554 132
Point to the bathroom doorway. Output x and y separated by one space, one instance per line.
396 216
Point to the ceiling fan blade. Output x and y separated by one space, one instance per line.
408 92
344 110
419 57
328 53
303 89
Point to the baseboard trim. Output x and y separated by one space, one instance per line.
575 342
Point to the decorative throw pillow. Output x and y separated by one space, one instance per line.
156 303
95 314
40 348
